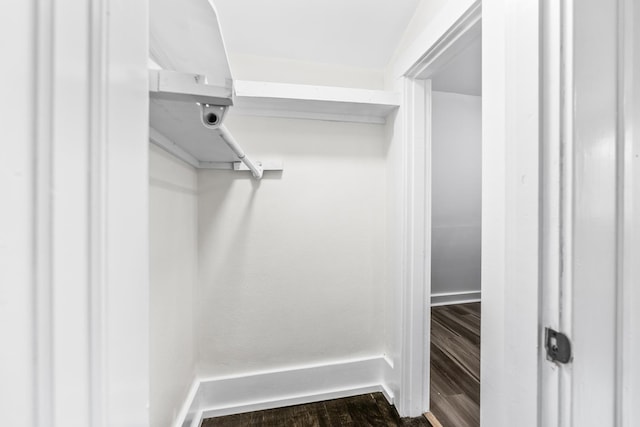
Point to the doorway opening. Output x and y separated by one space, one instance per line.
443 143
456 176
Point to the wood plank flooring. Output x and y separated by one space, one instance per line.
455 386
359 411
455 364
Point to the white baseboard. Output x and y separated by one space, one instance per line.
448 298
214 397
188 412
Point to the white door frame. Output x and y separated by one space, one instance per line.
416 289
629 205
510 211
74 169
532 212
511 202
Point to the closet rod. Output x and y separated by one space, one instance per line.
256 169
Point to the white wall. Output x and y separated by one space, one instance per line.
456 192
291 267
394 247
173 204
279 70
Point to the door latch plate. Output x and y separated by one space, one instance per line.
558 346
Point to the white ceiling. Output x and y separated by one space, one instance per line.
463 74
358 33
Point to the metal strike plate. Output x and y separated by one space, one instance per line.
558 346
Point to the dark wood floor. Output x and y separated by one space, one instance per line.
455 386
455 364
359 411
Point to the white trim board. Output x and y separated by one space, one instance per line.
448 298
329 103
189 410
213 397
429 53
464 31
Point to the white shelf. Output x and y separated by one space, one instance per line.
313 102
174 95
174 113
174 117
185 36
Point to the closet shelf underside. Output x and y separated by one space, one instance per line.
175 114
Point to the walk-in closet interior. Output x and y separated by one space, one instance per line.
319 213
270 204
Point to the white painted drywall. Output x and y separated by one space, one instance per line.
291 267
268 69
357 33
456 192
173 250
463 73
394 248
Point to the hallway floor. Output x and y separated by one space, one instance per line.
455 364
